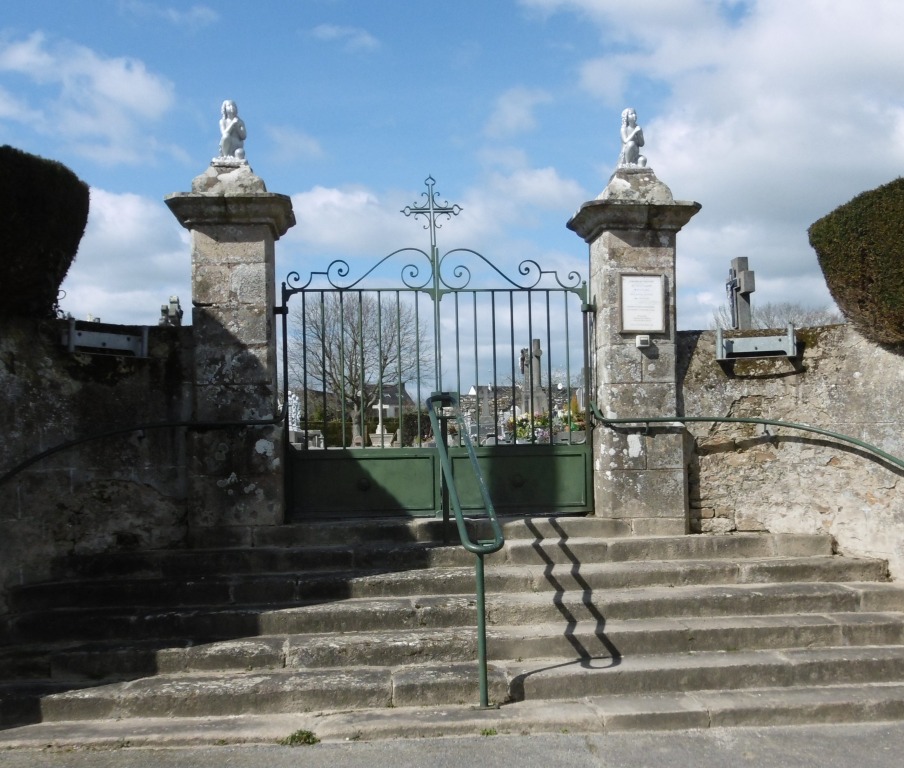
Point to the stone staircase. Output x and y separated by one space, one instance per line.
654 632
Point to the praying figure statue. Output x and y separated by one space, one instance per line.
232 131
632 141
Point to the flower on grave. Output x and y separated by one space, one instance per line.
526 425
576 415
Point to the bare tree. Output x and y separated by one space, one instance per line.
354 344
773 315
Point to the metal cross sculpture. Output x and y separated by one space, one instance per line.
432 210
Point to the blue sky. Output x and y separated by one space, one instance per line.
769 113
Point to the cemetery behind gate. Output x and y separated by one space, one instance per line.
269 465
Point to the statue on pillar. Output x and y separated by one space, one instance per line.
632 141
232 132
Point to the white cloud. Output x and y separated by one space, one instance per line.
102 108
351 38
13 108
364 225
514 112
130 243
773 113
291 145
195 17
538 187
352 221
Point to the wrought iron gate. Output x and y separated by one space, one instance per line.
362 352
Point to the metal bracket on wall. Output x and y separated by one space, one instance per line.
756 346
78 338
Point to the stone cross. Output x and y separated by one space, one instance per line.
740 285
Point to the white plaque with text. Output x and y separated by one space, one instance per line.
642 303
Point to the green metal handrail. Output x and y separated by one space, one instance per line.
479 548
747 420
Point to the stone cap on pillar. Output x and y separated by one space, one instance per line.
230 194
634 199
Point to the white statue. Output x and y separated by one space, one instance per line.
232 132
632 141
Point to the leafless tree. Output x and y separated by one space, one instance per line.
352 344
772 315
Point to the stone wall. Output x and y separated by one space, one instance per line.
745 479
130 491
122 492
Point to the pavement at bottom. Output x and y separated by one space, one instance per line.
874 745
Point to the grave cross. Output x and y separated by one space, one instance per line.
739 286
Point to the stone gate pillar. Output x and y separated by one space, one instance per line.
235 474
639 475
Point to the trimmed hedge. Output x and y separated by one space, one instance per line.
44 210
860 247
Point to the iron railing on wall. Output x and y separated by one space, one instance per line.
665 420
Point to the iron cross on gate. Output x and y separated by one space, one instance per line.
432 210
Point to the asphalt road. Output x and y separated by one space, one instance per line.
863 746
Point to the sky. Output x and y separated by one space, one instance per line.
770 113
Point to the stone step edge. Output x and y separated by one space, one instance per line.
816 544
505 679
278 644
869 597
622 549
497 570
677 711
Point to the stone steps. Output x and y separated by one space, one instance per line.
585 638
579 639
277 588
850 705
709 670
373 686
515 595
402 530
194 565
256 621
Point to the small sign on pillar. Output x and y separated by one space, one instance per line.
642 300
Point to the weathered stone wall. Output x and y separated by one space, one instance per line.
744 479
124 492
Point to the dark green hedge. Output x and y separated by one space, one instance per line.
860 247
43 209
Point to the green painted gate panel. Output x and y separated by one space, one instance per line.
529 479
360 482
523 480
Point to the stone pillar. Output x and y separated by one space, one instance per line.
639 475
235 475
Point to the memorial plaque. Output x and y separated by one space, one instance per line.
642 299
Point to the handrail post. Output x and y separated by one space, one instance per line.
478 548
481 633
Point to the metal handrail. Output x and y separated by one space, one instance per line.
479 548
875 450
